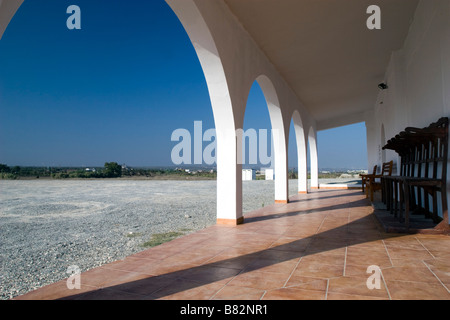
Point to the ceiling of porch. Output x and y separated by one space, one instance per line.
325 51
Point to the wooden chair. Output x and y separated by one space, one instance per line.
365 177
422 182
374 182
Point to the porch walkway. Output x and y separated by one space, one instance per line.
319 246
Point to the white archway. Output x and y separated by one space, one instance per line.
229 173
279 139
7 10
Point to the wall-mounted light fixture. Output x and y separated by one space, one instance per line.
383 86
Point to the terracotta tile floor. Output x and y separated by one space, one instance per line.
318 246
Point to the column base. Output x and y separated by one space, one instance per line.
282 201
230 222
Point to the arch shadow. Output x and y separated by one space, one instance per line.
358 231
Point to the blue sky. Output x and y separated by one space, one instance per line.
116 89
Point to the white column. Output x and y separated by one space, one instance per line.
314 159
281 164
372 146
302 167
229 179
302 156
279 139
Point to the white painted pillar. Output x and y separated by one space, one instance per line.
229 172
302 155
280 137
372 146
314 159
229 179
302 166
281 167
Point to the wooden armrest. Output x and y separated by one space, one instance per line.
376 176
395 178
424 181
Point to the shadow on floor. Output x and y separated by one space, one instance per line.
359 231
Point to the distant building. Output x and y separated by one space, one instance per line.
248 174
269 174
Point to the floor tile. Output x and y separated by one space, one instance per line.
271 265
401 253
324 258
368 258
260 280
54 291
108 294
103 277
183 289
410 273
207 275
308 283
318 270
343 296
404 290
355 285
290 244
441 269
404 243
146 286
294 294
231 292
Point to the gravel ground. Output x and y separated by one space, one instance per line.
46 226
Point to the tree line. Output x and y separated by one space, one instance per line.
109 170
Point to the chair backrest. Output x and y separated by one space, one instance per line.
387 168
423 151
375 170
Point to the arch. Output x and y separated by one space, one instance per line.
279 139
254 136
279 150
313 154
302 154
229 173
7 10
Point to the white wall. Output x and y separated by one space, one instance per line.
418 77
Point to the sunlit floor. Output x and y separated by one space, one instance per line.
319 246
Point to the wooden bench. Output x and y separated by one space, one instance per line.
421 185
375 182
